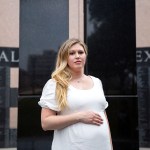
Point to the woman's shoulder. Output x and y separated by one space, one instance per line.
51 83
96 80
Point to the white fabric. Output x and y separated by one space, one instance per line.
79 136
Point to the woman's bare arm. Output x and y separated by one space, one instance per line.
51 121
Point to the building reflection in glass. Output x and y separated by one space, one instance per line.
43 28
39 69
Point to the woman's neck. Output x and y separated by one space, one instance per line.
77 75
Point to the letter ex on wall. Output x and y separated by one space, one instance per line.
143 55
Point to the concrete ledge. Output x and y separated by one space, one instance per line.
144 148
8 148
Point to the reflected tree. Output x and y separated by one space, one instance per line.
112 44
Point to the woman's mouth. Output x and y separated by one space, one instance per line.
77 62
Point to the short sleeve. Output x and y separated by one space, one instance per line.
48 99
101 85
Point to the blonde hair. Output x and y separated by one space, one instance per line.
62 74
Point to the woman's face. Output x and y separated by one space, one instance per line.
76 58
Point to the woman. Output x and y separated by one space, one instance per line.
73 104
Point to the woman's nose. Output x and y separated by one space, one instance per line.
77 55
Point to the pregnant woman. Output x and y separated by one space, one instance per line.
73 104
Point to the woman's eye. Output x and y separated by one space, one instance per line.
81 52
71 53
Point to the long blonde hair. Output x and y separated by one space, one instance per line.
62 74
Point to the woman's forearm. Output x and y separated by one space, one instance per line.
58 122
51 121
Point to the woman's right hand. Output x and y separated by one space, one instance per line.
90 117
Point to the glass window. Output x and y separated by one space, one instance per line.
43 28
110 36
123 118
30 134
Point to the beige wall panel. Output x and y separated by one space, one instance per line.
144 148
81 20
143 23
14 77
9 23
13 117
76 19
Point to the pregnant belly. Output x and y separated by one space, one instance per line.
88 131
83 136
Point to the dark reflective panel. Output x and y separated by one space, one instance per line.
123 118
143 89
110 35
30 134
43 27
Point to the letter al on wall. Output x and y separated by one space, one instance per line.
9 56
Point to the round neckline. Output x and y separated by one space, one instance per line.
71 86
